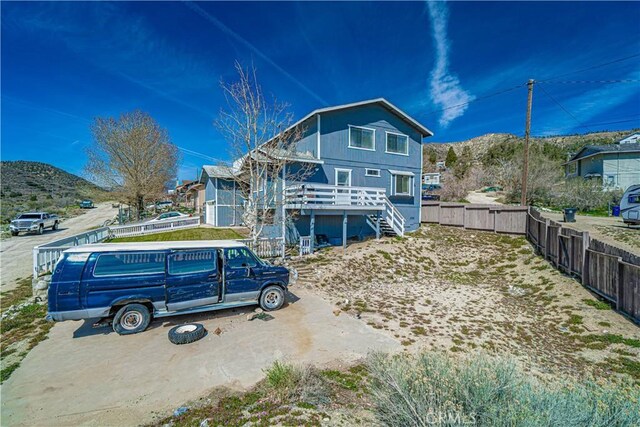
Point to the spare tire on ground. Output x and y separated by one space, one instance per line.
187 333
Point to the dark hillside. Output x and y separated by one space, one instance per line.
29 186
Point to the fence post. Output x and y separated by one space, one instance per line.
620 287
546 238
35 263
585 258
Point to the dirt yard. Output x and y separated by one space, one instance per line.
86 376
462 291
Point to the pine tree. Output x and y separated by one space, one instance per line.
451 159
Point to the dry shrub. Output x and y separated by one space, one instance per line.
433 389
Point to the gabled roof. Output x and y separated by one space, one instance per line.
592 150
218 171
380 101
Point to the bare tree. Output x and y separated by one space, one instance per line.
133 156
262 138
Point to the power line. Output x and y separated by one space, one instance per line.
479 98
562 107
593 67
590 81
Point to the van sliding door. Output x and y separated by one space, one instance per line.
193 279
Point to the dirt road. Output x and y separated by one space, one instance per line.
609 230
483 198
16 256
85 376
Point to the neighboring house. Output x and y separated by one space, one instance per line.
431 178
633 138
195 197
220 198
615 165
365 162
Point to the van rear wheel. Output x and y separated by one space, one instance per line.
131 319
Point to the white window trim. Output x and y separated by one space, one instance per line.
361 148
411 177
342 170
386 143
377 175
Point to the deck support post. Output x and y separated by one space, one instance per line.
378 225
344 230
312 226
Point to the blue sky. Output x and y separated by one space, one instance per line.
65 63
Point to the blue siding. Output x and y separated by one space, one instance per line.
309 142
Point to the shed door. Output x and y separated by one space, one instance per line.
210 213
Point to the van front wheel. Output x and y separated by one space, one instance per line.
131 319
272 298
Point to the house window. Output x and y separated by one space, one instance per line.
611 180
397 143
401 184
361 138
372 172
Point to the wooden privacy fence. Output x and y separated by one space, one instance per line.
498 218
607 270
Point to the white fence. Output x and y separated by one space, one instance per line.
45 256
155 226
305 245
266 247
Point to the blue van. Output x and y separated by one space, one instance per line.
130 283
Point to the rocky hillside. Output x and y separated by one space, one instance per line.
28 186
562 146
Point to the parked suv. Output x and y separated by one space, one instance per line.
130 283
33 222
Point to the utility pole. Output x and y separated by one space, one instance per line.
527 133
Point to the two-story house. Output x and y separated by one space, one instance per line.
364 163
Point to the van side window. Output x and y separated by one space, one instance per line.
186 262
128 263
239 258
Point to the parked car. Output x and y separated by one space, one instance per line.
86 204
34 222
169 215
128 284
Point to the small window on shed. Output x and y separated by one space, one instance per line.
187 262
128 263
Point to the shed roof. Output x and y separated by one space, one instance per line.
219 171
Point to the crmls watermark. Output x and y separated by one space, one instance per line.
439 418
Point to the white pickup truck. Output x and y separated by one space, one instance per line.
34 222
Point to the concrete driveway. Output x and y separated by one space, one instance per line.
16 253
85 376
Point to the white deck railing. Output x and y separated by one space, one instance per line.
322 196
155 226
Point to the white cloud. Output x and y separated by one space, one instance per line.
446 91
